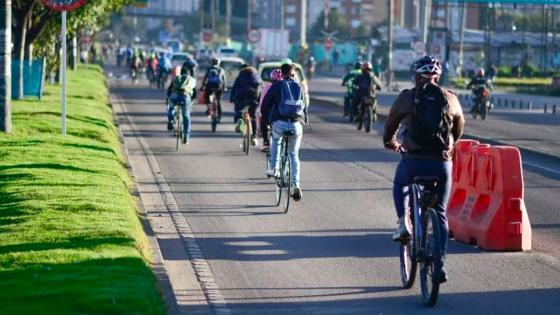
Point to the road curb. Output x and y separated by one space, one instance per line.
156 262
383 116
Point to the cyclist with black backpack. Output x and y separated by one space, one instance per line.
432 122
214 83
285 105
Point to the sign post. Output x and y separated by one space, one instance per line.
64 6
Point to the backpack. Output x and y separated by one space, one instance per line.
431 119
291 100
181 85
214 78
365 84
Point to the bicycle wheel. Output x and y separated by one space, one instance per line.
367 119
483 110
179 130
408 263
287 183
429 276
247 135
214 117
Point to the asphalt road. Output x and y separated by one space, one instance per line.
536 133
332 253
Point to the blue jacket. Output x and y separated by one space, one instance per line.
273 98
246 88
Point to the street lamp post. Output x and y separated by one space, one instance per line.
5 66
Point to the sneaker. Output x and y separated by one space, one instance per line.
238 125
442 274
270 173
402 230
254 142
296 193
169 126
265 148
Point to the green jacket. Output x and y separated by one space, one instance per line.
349 79
183 85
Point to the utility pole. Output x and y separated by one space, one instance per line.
282 18
390 40
461 37
228 19
213 15
303 23
425 7
5 66
249 15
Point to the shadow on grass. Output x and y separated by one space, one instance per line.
68 243
122 285
90 147
52 166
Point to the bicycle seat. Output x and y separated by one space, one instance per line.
429 181
288 133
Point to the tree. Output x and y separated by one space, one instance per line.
337 22
5 66
34 23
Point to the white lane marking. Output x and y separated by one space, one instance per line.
544 168
199 263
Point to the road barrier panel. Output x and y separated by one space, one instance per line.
487 207
499 102
505 102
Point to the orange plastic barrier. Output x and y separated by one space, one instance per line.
486 207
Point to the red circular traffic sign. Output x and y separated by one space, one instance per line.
328 44
207 36
254 36
64 5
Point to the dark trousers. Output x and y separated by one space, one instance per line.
218 93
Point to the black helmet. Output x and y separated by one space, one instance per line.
428 67
215 61
357 65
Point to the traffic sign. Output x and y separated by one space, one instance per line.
419 48
207 36
328 43
64 5
254 36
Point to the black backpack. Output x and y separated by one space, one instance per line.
431 119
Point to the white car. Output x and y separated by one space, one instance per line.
177 59
231 66
226 52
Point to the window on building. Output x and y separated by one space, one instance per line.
356 23
290 22
291 8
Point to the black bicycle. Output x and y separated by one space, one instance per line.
368 113
178 123
423 245
282 177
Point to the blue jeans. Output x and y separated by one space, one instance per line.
409 168
294 142
186 110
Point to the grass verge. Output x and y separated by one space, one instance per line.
70 238
537 86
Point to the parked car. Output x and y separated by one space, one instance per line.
226 52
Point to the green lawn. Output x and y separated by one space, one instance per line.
70 238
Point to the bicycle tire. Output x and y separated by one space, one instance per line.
483 111
214 124
279 179
429 281
287 183
214 116
179 130
247 135
367 123
408 263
